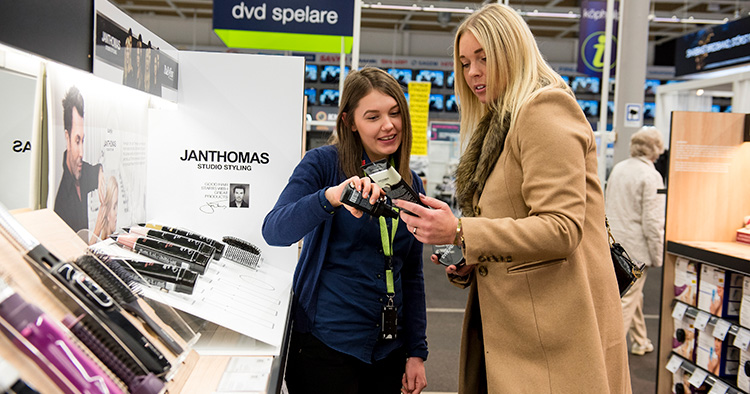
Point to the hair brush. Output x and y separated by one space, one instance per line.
142 384
241 251
124 296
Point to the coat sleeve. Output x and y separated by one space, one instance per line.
653 213
550 141
415 307
302 205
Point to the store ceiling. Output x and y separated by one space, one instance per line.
679 12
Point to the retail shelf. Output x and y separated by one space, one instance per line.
712 380
731 255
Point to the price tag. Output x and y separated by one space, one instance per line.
701 320
721 329
674 363
719 388
742 339
679 310
698 377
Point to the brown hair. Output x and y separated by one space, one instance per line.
357 85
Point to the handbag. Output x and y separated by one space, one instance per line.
627 270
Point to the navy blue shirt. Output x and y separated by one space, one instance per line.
339 282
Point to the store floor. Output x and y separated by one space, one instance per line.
445 307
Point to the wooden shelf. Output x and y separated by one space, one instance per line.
731 255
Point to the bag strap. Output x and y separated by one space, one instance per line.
634 267
611 237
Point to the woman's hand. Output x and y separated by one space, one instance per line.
463 270
432 226
364 185
415 378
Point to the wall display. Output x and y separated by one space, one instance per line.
127 53
17 102
585 85
434 77
97 152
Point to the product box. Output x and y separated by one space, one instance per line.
745 303
683 338
717 357
743 235
686 281
719 292
743 378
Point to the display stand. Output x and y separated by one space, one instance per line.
707 198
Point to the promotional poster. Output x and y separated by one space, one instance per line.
128 54
97 152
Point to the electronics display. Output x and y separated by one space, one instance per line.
402 75
329 97
449 81
589 107
610 108
651 85
649 109
451 103
331 74
311 94
715 108
566 79
585 85
311 72
436 102
435 77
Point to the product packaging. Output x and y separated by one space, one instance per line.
743 372
686 281
717 357
719 292
683 338
745 304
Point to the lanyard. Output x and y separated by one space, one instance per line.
388 252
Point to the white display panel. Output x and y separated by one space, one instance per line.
17 102
238 122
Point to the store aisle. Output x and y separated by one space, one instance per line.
445 305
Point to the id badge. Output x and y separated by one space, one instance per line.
389 322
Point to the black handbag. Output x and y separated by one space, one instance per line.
627 270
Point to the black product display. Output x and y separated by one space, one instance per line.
449 255
388 178
86 298
350 196
124 297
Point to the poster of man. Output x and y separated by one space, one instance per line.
97 166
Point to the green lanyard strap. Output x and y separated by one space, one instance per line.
388 250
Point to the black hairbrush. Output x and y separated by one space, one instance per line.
143 384
124 296
241 251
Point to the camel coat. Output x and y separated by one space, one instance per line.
543 313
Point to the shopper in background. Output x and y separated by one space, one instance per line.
543 312
636 217
340 283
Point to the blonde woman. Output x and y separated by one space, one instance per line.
543 312
636 215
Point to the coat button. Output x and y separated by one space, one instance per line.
483 271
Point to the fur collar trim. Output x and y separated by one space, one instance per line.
479 160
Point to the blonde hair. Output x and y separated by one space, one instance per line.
516 70
647 142
357 85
